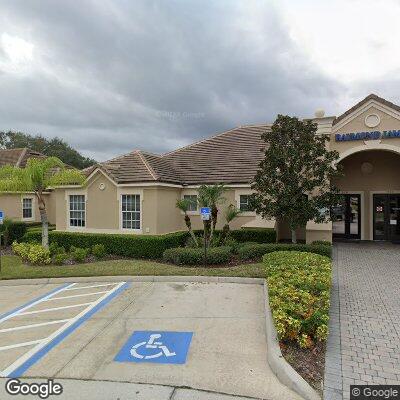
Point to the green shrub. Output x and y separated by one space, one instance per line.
322 242
232 243
99 250
299 286
60 258
190 256
257 235
56 249
12 231
33 253
21 249
135 246
256 251
78 254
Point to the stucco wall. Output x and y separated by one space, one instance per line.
387 122
102 205
11 204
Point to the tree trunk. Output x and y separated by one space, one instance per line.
224 234
294 238
189 226
45 221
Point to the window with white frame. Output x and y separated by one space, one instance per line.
192 201
77 210
27 208
130 208
245 202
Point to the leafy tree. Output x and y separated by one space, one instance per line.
55 147
211 196
230 214
183 205
294 180
37 176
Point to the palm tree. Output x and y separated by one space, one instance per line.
230 214
183 205
38 175
211 196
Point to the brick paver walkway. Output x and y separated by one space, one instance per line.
364 342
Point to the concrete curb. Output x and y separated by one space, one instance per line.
130 278
282 369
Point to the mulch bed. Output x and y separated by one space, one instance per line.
309 363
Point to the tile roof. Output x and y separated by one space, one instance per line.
17 157
229 157
371 96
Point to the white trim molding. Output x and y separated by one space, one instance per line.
244 192
34 205
127 191
369 146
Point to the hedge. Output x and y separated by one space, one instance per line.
195 256
135 246
258 235
256 251
13 231
299 293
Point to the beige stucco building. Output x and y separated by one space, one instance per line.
136 193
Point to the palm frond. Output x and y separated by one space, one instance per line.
231 213
183 205
65 177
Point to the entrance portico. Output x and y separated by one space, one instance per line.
368 142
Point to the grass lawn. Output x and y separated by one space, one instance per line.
13 268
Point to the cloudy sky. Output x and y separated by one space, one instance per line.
110 76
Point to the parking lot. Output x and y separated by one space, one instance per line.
207 336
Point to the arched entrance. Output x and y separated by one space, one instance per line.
369 206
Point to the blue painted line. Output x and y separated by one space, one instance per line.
32 301
42 352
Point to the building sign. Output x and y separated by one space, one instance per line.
345 137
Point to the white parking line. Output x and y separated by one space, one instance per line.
23 344
91 286
18 312
21 327
76 295
42 343
54 309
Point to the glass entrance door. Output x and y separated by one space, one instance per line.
346 217
387 217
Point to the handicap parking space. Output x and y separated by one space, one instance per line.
207 336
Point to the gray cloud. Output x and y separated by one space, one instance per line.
110 76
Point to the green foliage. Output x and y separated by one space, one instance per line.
258 235
322 242
299 293
79 254
191 256
32 252
12 231
60 258
55 249
297 163
262 235
38 175
54 147
135 246
99 250
256 251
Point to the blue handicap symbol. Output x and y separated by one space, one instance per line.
156 347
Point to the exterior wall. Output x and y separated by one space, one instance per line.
11 204
169 218
231 197
387 122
